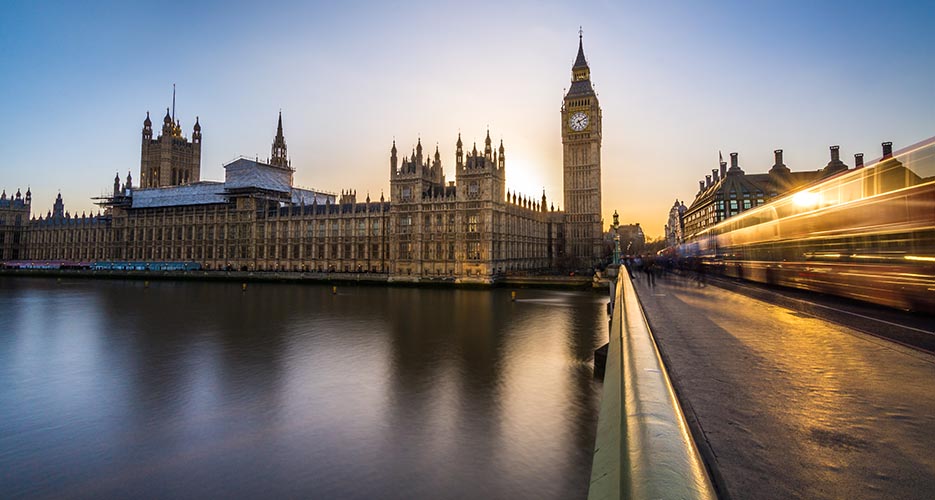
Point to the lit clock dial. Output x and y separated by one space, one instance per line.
578 121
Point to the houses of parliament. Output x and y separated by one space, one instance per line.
470 229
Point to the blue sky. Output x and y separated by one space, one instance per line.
678 81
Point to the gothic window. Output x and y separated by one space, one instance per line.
473 250
472 223
473 190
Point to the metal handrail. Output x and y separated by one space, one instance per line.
644 448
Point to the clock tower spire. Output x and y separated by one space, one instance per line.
581 148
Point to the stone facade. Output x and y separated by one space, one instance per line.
581 141
730 191
470 229
14 219
675 228
170 159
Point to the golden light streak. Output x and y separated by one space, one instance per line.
805 199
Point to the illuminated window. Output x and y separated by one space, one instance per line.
473 250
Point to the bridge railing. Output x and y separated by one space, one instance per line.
643 448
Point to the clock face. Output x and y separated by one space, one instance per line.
578 121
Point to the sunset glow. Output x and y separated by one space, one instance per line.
677 83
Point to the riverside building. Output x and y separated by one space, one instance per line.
469 229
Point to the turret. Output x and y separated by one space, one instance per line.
58 208
393 159
117 184
147 127
459 152
167 124
196 132
28 196
502 158
488 151
129 180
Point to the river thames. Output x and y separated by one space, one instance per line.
192 390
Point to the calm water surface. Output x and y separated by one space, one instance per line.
192 390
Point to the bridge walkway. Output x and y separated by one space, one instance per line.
788 405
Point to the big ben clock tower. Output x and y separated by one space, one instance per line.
581 145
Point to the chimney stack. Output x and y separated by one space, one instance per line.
778 156
723 169
714 175
835 153
733 160
707 181
700 185
859 160
835 165
887 150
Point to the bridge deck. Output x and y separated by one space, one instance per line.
792 406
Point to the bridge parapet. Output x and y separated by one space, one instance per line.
643 448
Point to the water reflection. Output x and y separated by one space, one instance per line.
199 389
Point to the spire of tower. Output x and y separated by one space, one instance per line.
279 157
580 61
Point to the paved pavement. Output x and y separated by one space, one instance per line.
791 406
